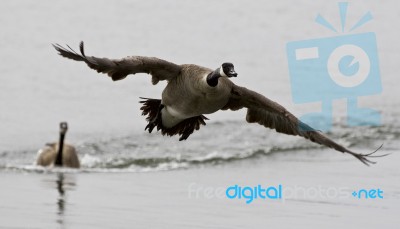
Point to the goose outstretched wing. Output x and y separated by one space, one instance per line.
270 114
118 69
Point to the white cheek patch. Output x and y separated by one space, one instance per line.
221 72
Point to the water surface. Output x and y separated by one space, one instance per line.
130 177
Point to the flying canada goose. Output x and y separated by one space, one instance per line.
58 153
194 90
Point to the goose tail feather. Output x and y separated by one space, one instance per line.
151 109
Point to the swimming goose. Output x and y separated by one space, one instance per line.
193 91
59 153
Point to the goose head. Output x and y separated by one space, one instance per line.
63 128
228 70
59 156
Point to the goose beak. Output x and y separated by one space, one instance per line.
232 73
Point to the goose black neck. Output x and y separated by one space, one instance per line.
59 161
212 78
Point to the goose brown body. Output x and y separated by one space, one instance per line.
199 98
47 155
